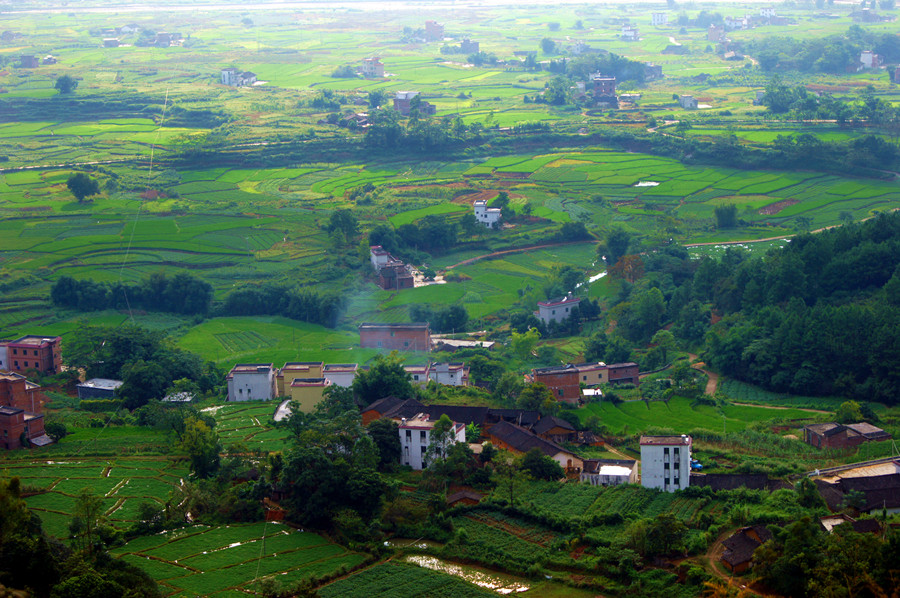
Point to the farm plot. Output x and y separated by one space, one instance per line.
401 579
251 425
636 416
204 560
123 483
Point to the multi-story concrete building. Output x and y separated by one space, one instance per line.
403 104
623 373
341 374
308 392
451 374
593 374
489 217
33 352
415 438
666 462
469 47
372 68
659 19
251 382
293 370
415 336
434 31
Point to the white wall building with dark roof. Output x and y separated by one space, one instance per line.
666 462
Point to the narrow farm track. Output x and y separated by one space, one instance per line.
712 381
472 260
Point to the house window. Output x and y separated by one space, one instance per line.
15 351
666 451
553 312
35 353
678 481
584 378
409 434
560 391
422 436
17 363
379 343
392 333
405 343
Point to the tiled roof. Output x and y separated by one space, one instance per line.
523 441
549 422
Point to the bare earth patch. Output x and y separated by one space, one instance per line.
774 208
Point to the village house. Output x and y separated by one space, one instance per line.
562 380
877 492
834 435
415 438
518 440
715 34
666 462
414 336
110 42
451 374
28 62
630 34
235 78
49 59
870 60
341 374
659 19
418 374
623 373
556 310
467 46
485 418
464 497
392 273
767 12
251 382
308 392
32 352
293 370
736 23
652 72
372 68
403 104
739 547
593 374
434 31
688 102
21 412
609 472
489 217
603 89
555 429
98 388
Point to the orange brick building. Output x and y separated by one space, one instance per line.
21 417
33 352
562 380
415 336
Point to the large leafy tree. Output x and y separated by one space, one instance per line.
202 445
82 186
385 378
385 434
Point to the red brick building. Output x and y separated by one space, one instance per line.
834 435
21 404
434 31
562 380
414 336
34 352
620 373
396 276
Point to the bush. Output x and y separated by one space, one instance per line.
99 405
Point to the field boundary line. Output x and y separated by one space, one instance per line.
517 250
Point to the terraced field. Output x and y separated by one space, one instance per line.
123 482
228 561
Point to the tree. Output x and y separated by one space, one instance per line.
507 477
385 378
440 439
548 46
385 434
66 84
557 91
848 413
523 344
56 430
508 387
804 222
665 341
88 516
726 216
537 397
82 186
617 242
202 445
541 467
344 222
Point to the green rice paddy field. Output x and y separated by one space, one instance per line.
227 561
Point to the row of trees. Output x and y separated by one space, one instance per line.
182 293
835 54
295 302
